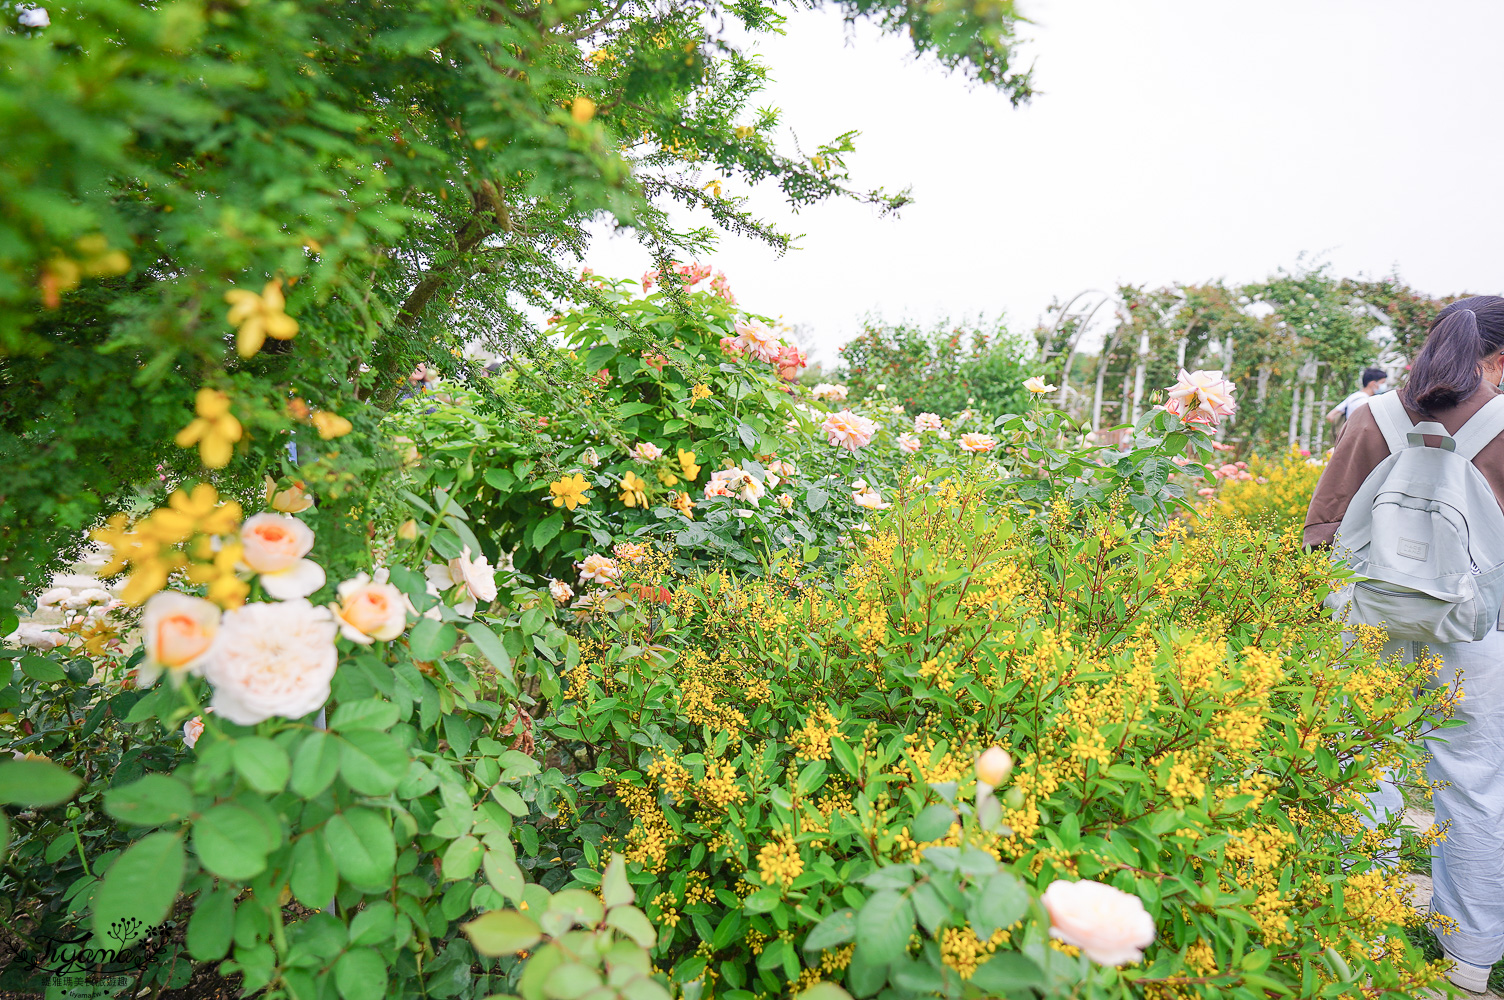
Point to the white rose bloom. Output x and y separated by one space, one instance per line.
34 636
473 575
53 596
560 590
96 595
273 659
36 17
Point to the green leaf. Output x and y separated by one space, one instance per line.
231 842
502 932
153 800
372 763
825 991
360 974
38 784
580 907
491 648
1007 973
138 890
1002 903
374 924
364 850
42 670
570 981
262 763
462 858
430 639
212 924
615 890
933 823
368 713
547 530
884 923
315 764
815 498
867 973
836 929
314 877
634 924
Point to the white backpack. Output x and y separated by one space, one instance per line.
1425 532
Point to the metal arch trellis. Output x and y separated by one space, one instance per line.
1073 344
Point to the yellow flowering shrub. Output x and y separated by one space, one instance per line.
1277 495
1188 726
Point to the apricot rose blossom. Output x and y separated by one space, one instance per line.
849 430
370 608
274 546
178 632
1110 926
599 569
978 443
1201 397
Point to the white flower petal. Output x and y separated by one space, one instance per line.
298 580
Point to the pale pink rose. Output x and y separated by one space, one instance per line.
717 488
560 591
1201 397
828 391
178 632
908 443
192 730
927 422
649 279
978 443
1206 491
848 430
477 575
37 637
782 469
272 659
731 345
870 499
758 341
599 569
1181 460
646 451
721 286
631 553
1110 926
274 546
944 434
369 608
738 483
791 362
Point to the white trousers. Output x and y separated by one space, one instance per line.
1467 869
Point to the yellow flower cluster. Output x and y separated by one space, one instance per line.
813 741
153 547
719 788
214 429
778 863
962 950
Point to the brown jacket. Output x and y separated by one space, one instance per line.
1360 449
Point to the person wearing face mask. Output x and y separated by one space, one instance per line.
1372 384
1455 376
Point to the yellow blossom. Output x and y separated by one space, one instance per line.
684 504
331 425
215 430
257 317
779 863
634 490
569 491
687 463
582 110
699 392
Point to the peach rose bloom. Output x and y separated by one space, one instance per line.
848 430
369 608
192 730
1110 926
908 443
927 422
870 499
560 591
782 469
274 546
827 390
1201 397
599 568
646 451
760 342
978 443
178 631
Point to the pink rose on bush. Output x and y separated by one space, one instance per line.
646 451
1201 397
760 342
978 443
849 430
791 362
908 443
1110 926
731 345
927 422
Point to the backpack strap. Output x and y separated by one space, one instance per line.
1481 428
1389 413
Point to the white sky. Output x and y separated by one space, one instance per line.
1173 140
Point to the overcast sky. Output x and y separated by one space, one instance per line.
1172 140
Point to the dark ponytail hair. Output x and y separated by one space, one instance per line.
1446 371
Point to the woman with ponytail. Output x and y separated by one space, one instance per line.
1457 372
